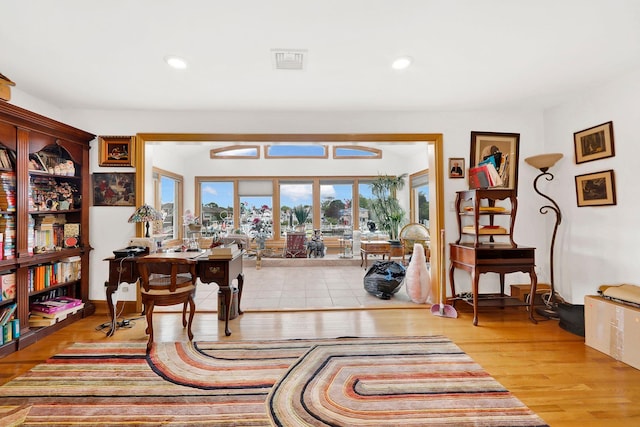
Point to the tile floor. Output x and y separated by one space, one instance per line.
336 286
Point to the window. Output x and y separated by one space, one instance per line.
296 206
256 207
168 200
356 152
217 200
236 152
336 207
296 151
365 213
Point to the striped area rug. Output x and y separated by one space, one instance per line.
340 382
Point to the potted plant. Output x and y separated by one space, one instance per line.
301 213
385 205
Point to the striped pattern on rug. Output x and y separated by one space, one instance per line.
207 384
408 382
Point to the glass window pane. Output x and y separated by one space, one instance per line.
217 199
421 193
365 197
309 150
296 200
256 216
336 210
168 205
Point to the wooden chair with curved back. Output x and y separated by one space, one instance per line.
167 281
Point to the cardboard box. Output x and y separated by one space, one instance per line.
613 329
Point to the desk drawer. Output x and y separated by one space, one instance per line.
212 271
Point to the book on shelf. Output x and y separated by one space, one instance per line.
225 251
8 286
484 229
6 313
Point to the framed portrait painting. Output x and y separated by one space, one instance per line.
116 150
503 149
594 143
456 167
114 189
596 189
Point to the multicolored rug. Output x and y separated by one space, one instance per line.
339 382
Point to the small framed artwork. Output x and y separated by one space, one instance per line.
114 189
456 167
116 150
594 143
596 189
503 149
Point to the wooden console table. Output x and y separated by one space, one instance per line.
367 248
493 258
220 271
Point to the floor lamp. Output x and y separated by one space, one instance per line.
544 162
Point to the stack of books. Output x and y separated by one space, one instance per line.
56 308
8 191
8 233
7 158
225 252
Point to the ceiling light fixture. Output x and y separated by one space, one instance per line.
401 63
175 62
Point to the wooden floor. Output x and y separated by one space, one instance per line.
549 369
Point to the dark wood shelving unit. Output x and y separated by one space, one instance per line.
26 133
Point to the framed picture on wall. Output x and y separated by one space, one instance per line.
456 167
504 148
114 189
116 150
594 143
596 189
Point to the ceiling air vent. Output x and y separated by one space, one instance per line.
289 59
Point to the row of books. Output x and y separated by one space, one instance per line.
44 276
484 176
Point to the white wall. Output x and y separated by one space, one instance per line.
456 128
110 230
597 245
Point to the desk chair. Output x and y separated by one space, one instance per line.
167 281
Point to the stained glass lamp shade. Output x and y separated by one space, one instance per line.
146 213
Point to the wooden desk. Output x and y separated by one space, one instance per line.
493 258
379 247
220 271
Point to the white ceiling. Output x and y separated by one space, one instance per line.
468 54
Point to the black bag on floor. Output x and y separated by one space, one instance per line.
384 278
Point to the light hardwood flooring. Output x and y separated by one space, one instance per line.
551 370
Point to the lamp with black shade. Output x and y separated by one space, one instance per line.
146 214
544 162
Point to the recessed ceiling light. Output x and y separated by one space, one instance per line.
175 62
401 63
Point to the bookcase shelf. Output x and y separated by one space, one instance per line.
50 163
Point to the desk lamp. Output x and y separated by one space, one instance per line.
146 213
544 162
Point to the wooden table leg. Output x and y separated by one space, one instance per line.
226 294
532 293
240 286
475 277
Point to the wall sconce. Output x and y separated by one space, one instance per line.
544 162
